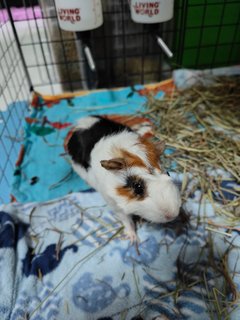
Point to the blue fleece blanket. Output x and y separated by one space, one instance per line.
67 259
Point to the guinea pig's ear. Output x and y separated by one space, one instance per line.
113 164
160 146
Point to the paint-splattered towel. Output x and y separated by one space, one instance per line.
65 260
42 171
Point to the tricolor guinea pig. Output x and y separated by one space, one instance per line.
125 168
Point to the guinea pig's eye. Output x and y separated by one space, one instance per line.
138 188
137 185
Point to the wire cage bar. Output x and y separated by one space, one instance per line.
15 84
203 34
208 33
125 52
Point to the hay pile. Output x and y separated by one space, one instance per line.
202 127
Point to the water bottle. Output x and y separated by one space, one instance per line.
149 11
79 15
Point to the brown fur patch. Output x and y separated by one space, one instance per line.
128 193
132 160
152 152
113 164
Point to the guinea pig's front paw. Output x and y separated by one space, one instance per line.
132 236
129 227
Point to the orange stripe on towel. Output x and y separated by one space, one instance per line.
13 199
20 156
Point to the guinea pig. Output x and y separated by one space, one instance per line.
125 168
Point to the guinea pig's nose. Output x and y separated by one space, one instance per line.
169 216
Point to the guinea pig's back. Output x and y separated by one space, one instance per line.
87 133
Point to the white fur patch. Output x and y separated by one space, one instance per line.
86 123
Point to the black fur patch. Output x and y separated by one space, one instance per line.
137 185
81 143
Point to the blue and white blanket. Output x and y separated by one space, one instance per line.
67 259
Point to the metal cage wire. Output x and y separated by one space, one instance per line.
35 53
14 94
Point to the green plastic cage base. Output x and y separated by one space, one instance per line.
208 33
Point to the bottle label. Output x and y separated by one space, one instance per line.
69 15
147 8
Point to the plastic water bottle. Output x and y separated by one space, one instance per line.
149 11
79 15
